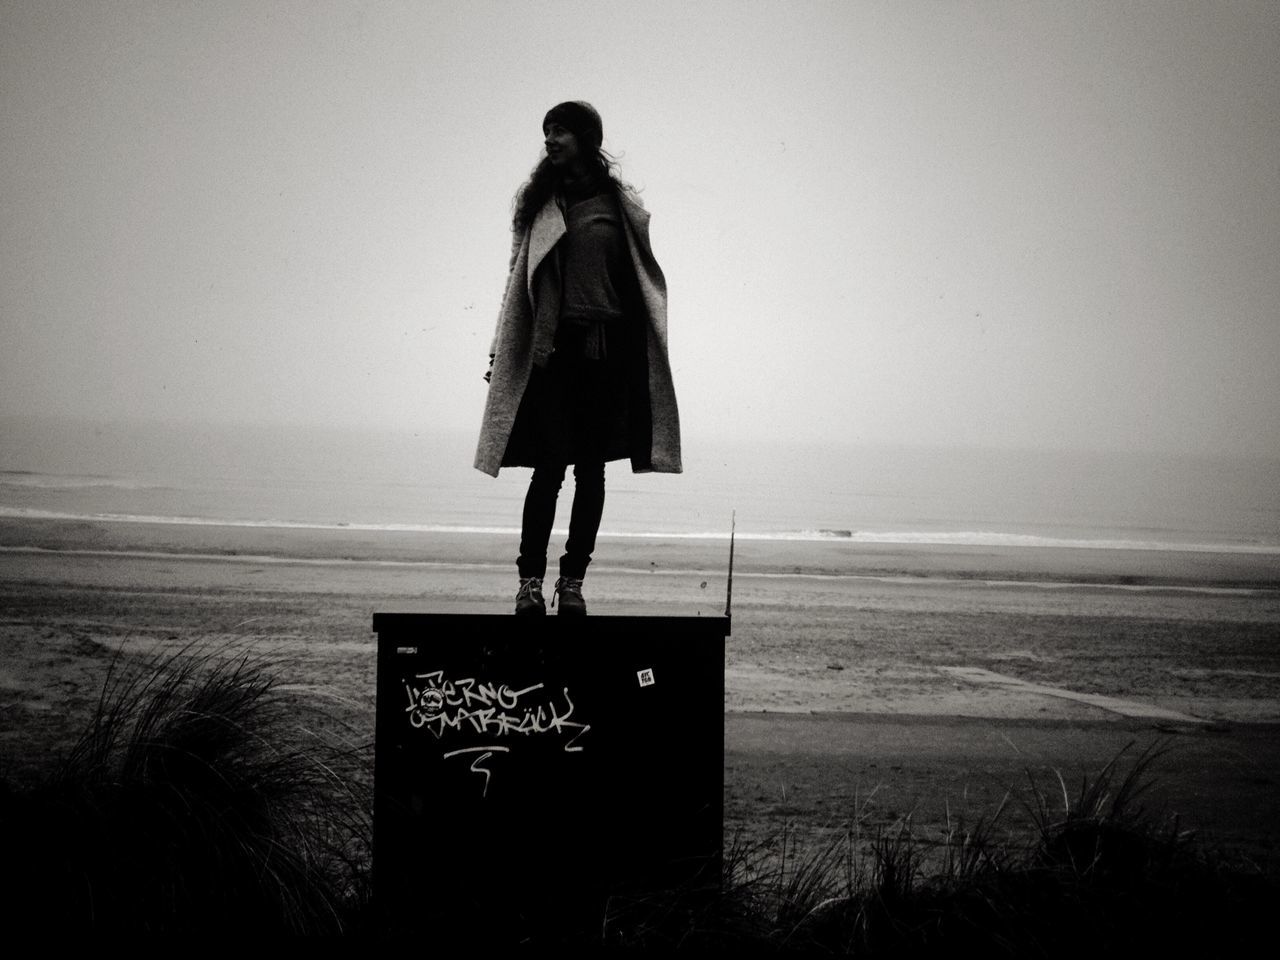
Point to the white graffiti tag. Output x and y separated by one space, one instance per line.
485 754
442 705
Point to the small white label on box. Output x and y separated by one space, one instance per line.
645 677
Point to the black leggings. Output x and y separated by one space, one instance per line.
540 514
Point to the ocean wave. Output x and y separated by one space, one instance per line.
31 480
972 538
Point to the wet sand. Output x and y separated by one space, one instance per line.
862 682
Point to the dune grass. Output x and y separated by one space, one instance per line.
1100 875
205 798
200 798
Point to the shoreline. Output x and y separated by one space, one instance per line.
830 558
900 538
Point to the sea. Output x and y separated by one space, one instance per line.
380 479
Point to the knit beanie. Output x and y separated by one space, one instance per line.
580 119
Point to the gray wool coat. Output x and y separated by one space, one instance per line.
513 346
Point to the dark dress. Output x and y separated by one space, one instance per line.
578 408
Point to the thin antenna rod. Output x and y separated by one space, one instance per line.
728 593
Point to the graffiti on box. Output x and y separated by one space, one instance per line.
443 705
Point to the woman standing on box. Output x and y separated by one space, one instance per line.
578 372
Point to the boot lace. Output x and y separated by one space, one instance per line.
568 586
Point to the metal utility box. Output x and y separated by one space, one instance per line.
527 767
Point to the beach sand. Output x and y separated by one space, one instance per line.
865 682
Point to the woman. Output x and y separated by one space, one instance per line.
578 365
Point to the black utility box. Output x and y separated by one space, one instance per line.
528 768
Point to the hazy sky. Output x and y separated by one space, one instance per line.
1005 223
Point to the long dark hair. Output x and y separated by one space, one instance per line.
545 179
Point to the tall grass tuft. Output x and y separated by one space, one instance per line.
201 798
1098 875
1105 829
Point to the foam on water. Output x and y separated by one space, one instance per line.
323 478
940 538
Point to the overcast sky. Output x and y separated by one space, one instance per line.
1003 223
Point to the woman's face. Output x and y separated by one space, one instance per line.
562 147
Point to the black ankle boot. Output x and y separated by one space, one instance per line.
569 593
529 602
